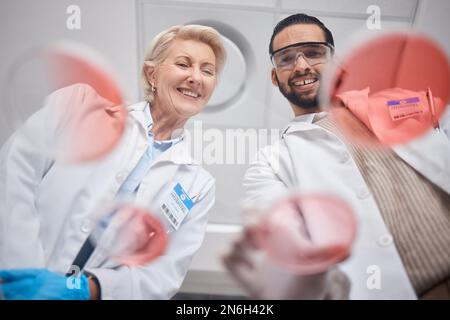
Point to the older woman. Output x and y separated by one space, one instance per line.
150 165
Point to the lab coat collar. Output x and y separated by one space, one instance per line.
308 118
428 154
141 112
136 111
179 153
304 122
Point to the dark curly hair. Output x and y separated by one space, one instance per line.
300 18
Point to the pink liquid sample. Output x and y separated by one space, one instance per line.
73 91
94 113
396 85
90 126
138 237
308 234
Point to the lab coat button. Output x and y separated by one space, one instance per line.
385 240
142 146
86 227
120 177
344 157
363 193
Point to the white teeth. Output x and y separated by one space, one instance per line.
189 93
304 82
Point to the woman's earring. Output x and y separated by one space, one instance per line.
153 87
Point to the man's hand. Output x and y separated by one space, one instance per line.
41 284
264 280
292 251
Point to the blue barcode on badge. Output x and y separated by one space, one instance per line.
403 101
183 196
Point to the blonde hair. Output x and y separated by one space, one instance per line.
158 50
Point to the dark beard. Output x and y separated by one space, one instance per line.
310 103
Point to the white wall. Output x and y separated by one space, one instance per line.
433 18
108 26
121 29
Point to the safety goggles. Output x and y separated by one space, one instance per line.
313 52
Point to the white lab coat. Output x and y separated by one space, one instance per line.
48 208
310 159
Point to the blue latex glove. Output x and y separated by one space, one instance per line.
41 284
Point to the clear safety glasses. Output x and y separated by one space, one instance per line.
313 52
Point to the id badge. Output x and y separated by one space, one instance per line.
177 206
405 108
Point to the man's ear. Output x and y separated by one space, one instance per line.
274 77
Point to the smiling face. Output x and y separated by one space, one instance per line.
300 85
185 80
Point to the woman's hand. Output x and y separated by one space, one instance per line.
41 284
